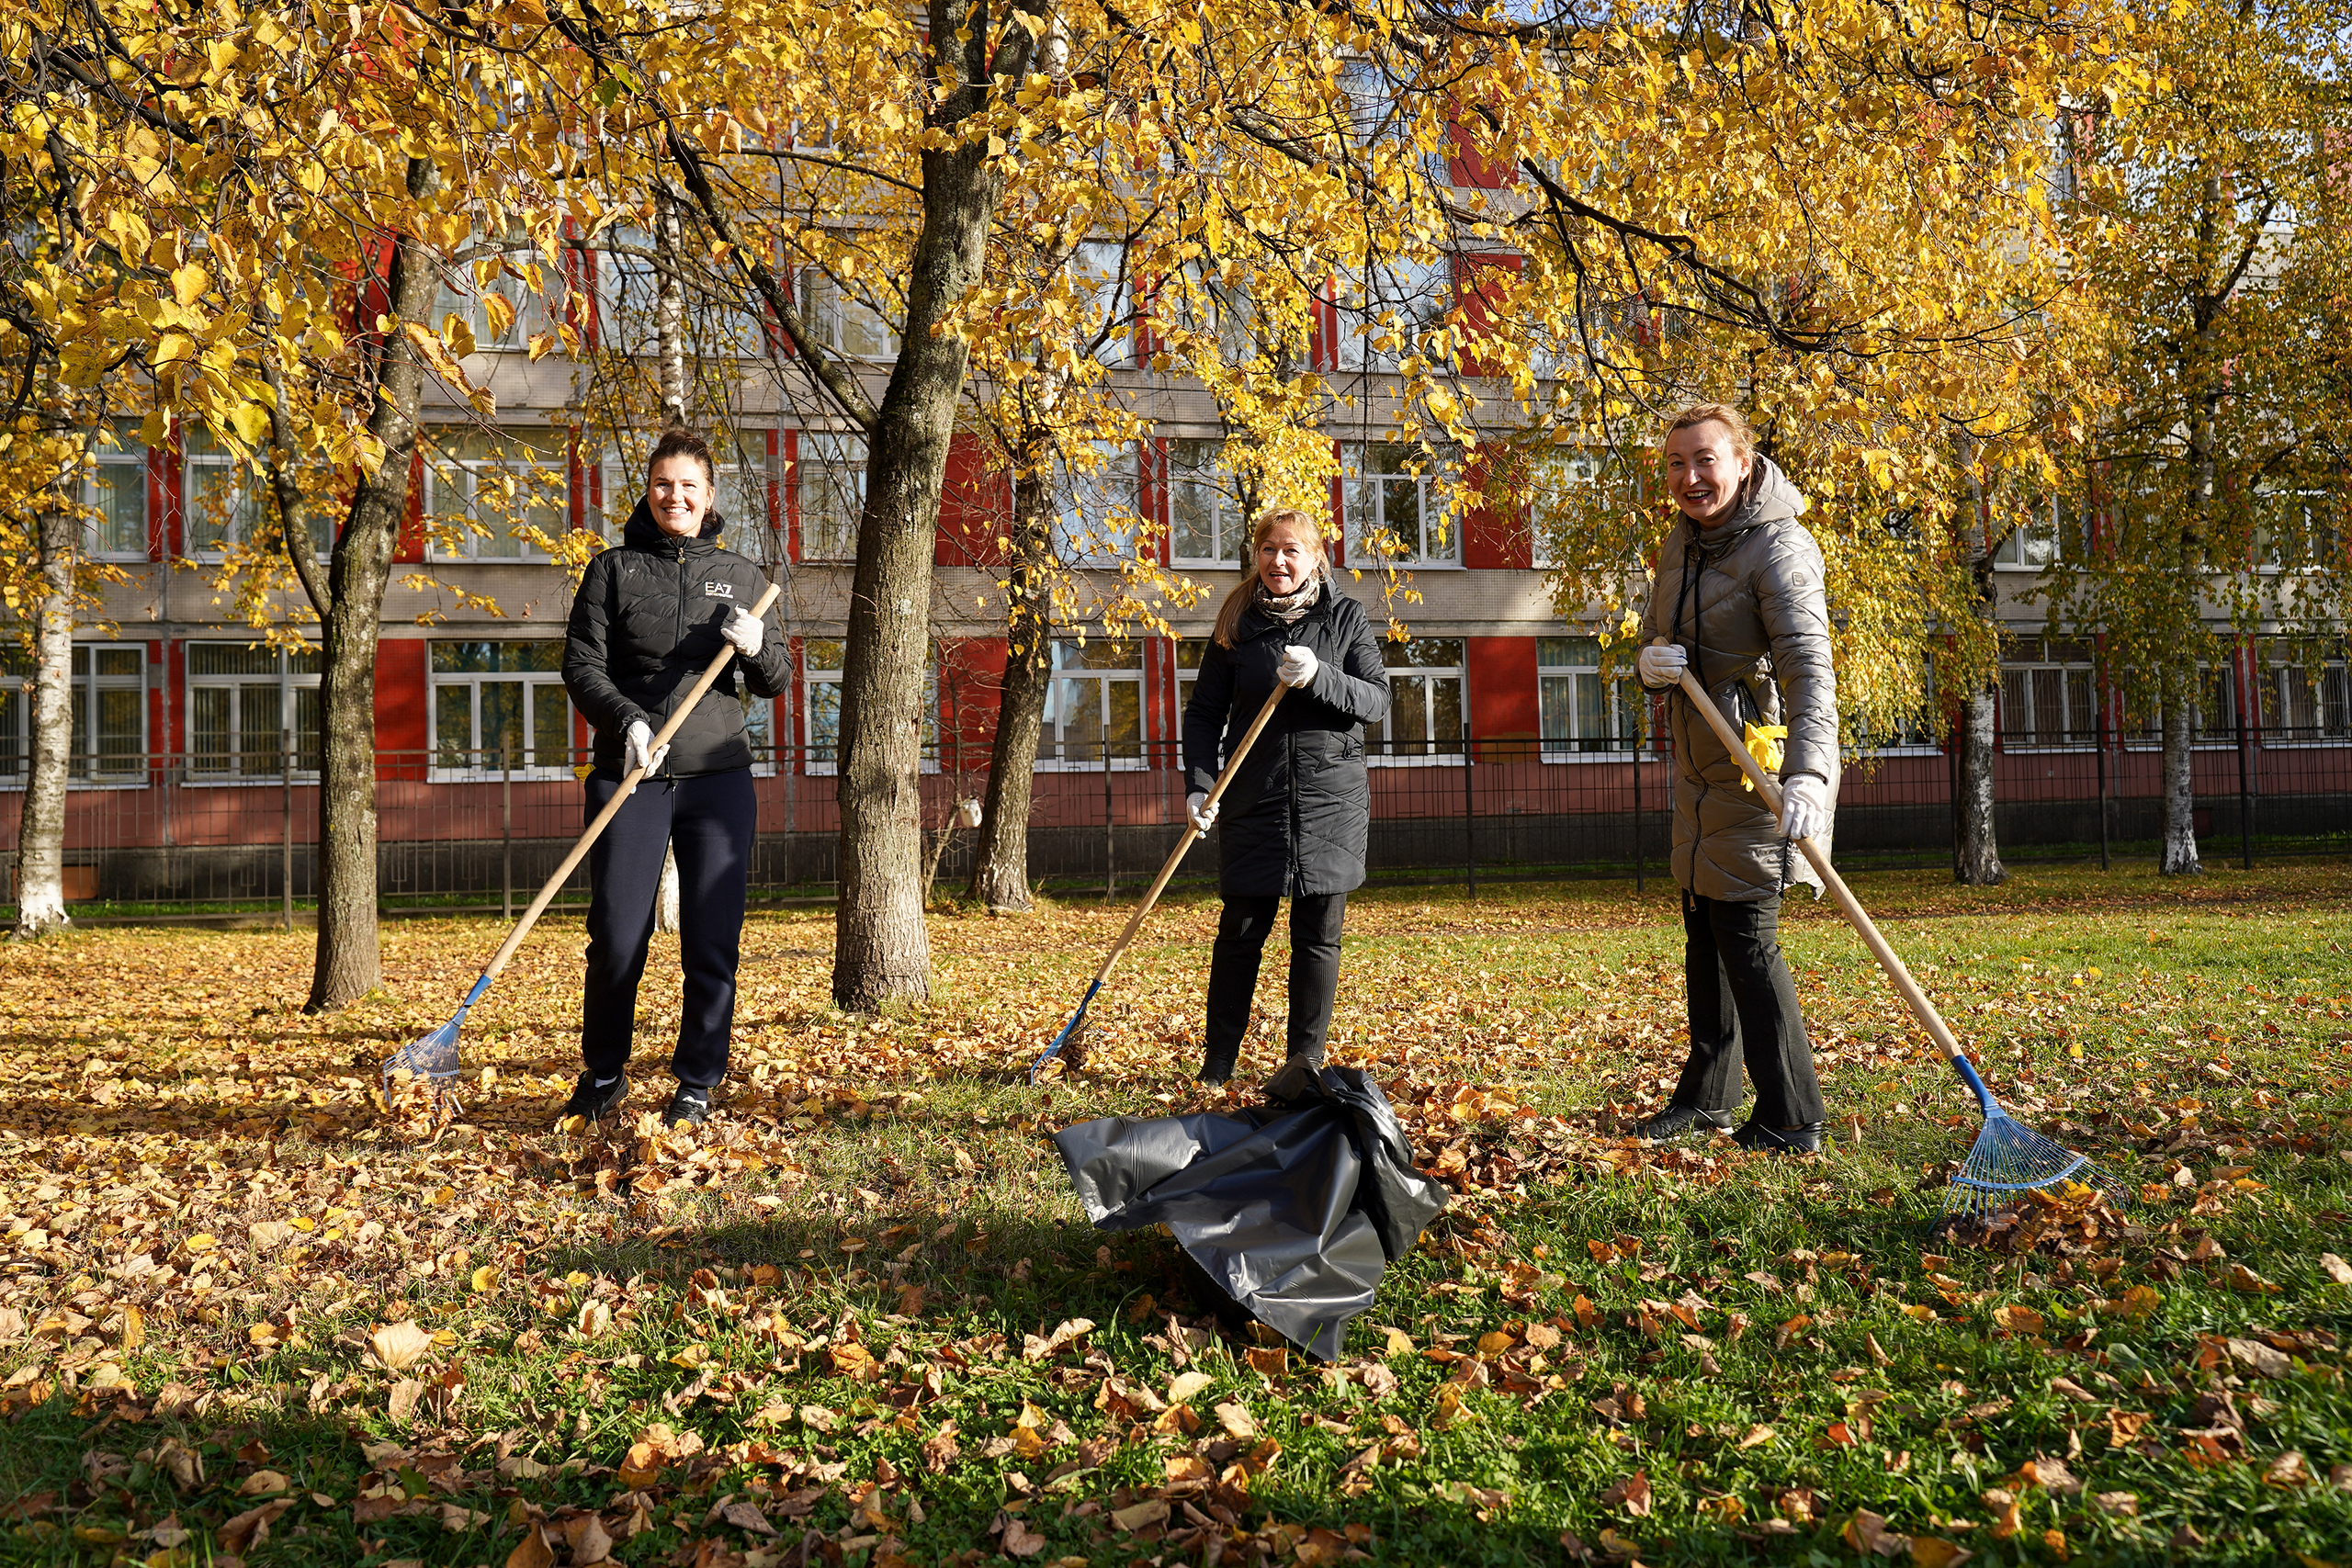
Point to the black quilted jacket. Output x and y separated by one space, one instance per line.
1295 820
645 625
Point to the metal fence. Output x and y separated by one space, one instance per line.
201 834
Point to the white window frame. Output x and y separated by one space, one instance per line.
2331 695
2311 504
845 322
1564 473
2034 545
1226 523
1380 489
828 466
201 452
461 289
1075 684
125 458
288 681
478 769
624 322
815 677
1379 752
1625 696
2026 681
746 496
16 708
1096 524
1101 289
2221 680
1397 298
446 472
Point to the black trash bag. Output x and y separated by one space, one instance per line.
1293 1210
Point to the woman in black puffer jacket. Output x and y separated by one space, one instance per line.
650 617
1296 814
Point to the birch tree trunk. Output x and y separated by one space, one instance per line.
349 959
1976 860
41 837
2178 857
669 330
1001 873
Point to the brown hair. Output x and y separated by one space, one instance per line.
1228 615
1743 439
679 441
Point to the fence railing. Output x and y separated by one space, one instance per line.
179 834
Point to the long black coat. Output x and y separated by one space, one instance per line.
644 627
1294 821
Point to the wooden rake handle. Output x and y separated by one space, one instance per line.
1909 988
629 782
1192 836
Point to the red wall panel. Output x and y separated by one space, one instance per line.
401 724
1504 718
974 506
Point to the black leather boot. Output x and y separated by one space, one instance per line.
1804 1140
1677 1120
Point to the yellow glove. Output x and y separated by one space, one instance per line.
1764 745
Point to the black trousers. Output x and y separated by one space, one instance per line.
1744 1008
709 818
1241 934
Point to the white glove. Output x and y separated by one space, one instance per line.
1662 666
745 631
636 750
1298 666
1197 807
1805 807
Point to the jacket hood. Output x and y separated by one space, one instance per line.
645 534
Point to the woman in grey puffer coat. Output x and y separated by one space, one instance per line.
1738 599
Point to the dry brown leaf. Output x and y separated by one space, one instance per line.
1137 1515
395 1346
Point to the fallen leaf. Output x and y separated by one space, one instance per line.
1036 1348
1867 1532
2335 1269
1135 1517
1019 1540
1185 1386
1632 1493
395 1346
1934 1551
2018 1319
250 1529
263 1483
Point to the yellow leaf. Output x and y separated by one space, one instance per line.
252 422
189 283
485 1280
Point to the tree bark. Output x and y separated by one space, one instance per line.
1001 873
1976 860
2179 853
1976 853
881 947
41 835
349 959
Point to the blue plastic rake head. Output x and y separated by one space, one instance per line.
2011 1159
432 1058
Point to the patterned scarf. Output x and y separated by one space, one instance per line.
1288 607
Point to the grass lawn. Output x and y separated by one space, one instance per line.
244 1315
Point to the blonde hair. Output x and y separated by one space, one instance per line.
1743 439
1228 615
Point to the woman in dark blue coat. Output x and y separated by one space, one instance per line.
1295 815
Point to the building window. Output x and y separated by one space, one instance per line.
1581 713
116 493
1098 271
220 496
820 685
1190 651
1204 522
1095 513
109 738
2042 536
1094 707
502 300
845 321
2303 705
500 705
2212 717
1392 516
1559 491
745 497
2049 696
829 481
1428 720
493 496
1385 312
244 703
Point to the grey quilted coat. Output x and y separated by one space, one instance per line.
1293 822
1745 602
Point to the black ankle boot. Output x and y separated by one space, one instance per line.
1804 1140
1677 1120
1217 1067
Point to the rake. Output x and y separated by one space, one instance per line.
1076 1026
431 1058
2009 1160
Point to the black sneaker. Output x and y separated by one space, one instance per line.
1677 1120
1804 1140
592 1103
688 1108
